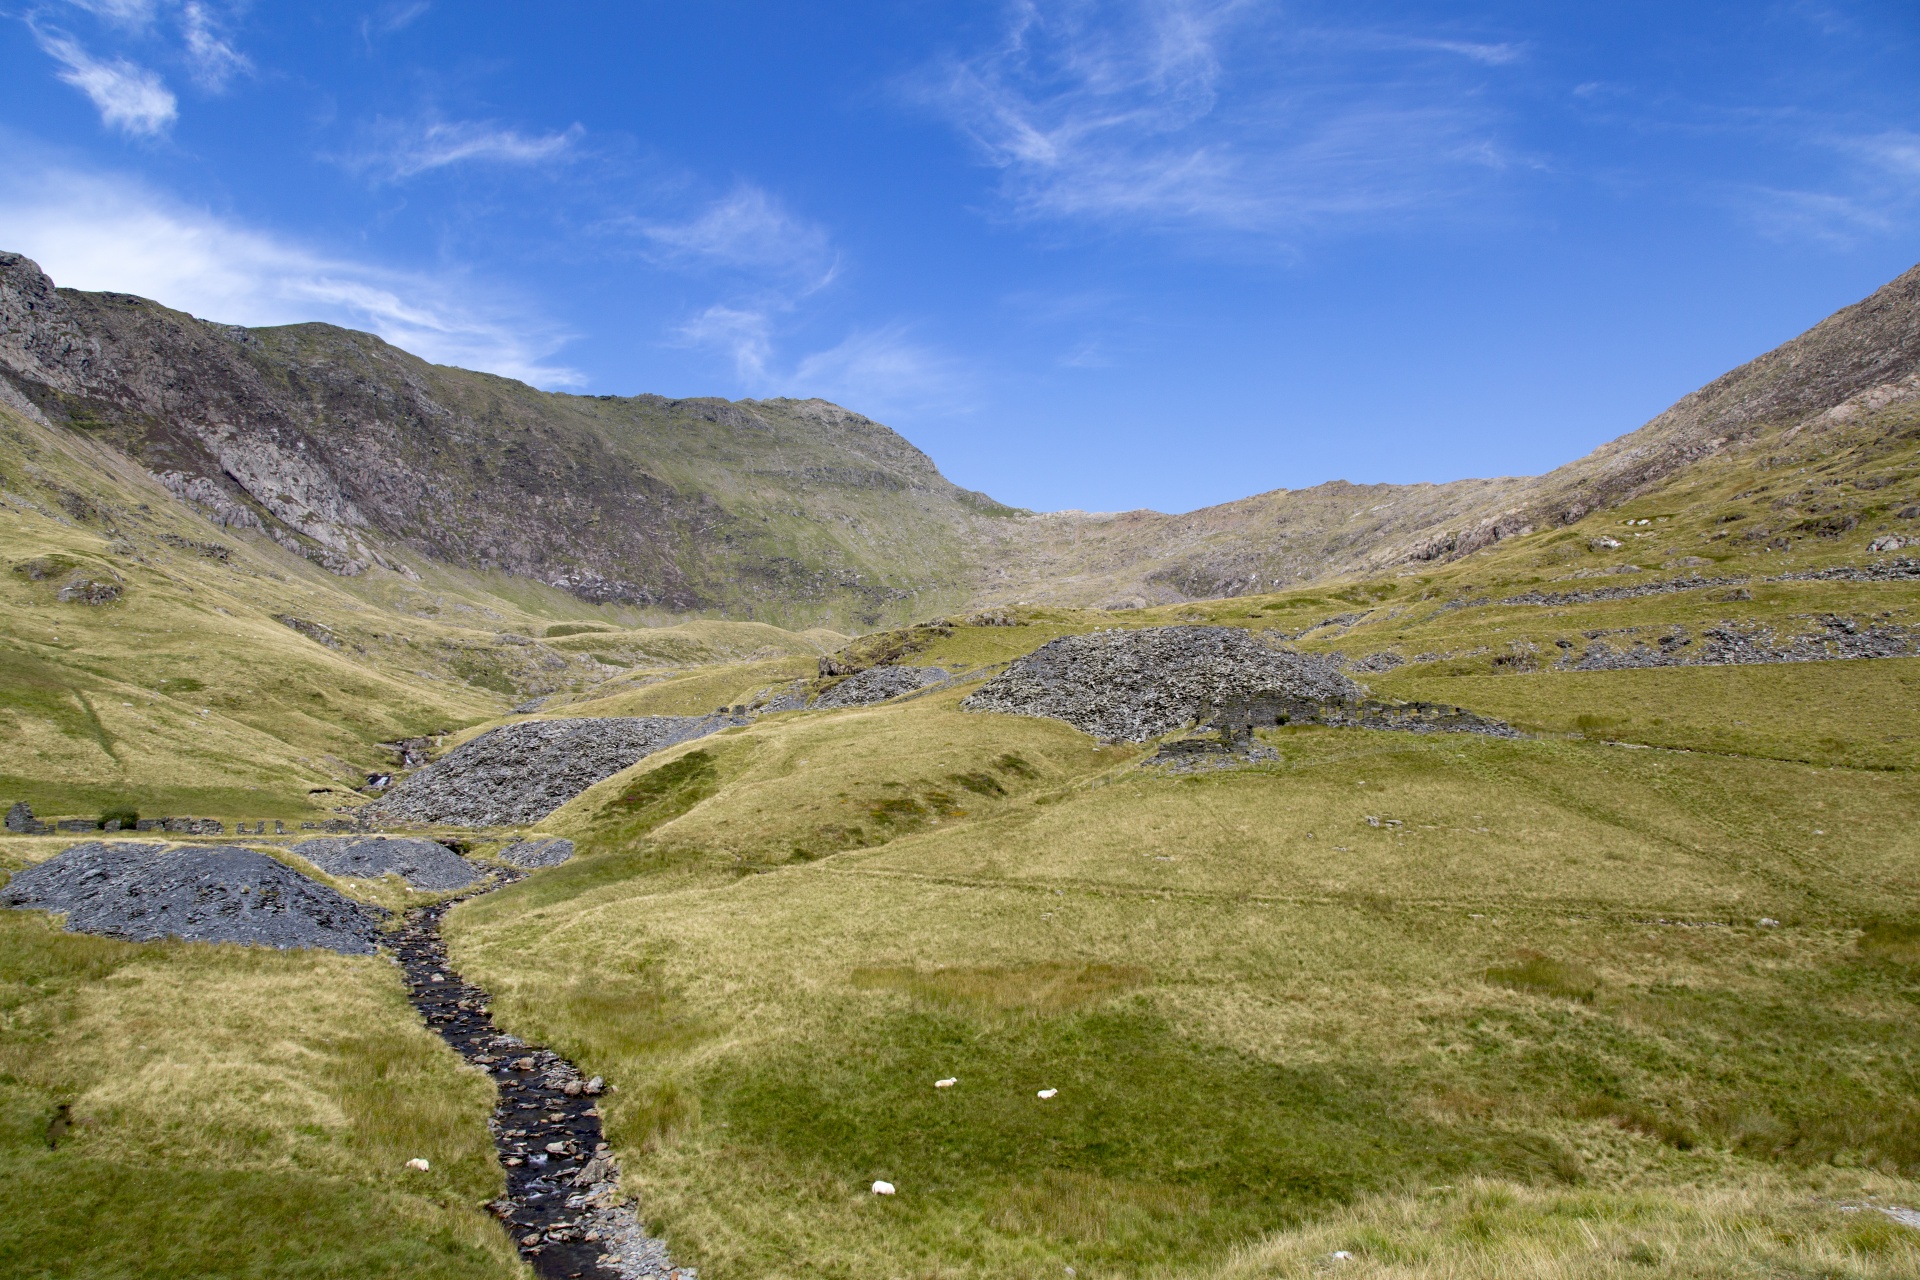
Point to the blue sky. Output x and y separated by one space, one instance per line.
1101 255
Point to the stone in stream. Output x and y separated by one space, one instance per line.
423 864
194 892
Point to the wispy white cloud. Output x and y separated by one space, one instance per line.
128 96
882 371
1875 193
1896 153
1213 115
743 334
1089 354
395 16
98 231
1488 53
214 60
1838 221
748 230
403 150
774 262
879 370
133 14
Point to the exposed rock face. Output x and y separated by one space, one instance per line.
877 684
82 588
355 454
534 854
423 864
1136 685
202 894
520 773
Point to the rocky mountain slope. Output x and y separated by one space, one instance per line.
1857 364
363 458
359 456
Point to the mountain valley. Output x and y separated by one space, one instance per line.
1498 878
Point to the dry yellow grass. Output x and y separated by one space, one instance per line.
1194 963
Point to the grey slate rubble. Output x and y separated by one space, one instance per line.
1905 569
536 853
877 684
423 864
518 774
197 892
1740 644
21 822
1136 685
1595 594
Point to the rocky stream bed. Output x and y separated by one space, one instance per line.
562 1206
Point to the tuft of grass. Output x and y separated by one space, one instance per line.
1487 1229
1893 942
1046 988
1085 1208
1541 974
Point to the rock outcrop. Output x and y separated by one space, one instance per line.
357 455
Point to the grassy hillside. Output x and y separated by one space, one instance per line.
219 675
171 1109
1538 992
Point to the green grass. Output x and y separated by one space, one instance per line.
181 1109
1547 970
1856 714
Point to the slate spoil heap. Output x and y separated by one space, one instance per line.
423 864
536 853
561 1206
519 773
1136 685
198 893
877 684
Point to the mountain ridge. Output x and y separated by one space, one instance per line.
357 455
1861 359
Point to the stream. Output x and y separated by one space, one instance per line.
562 1184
